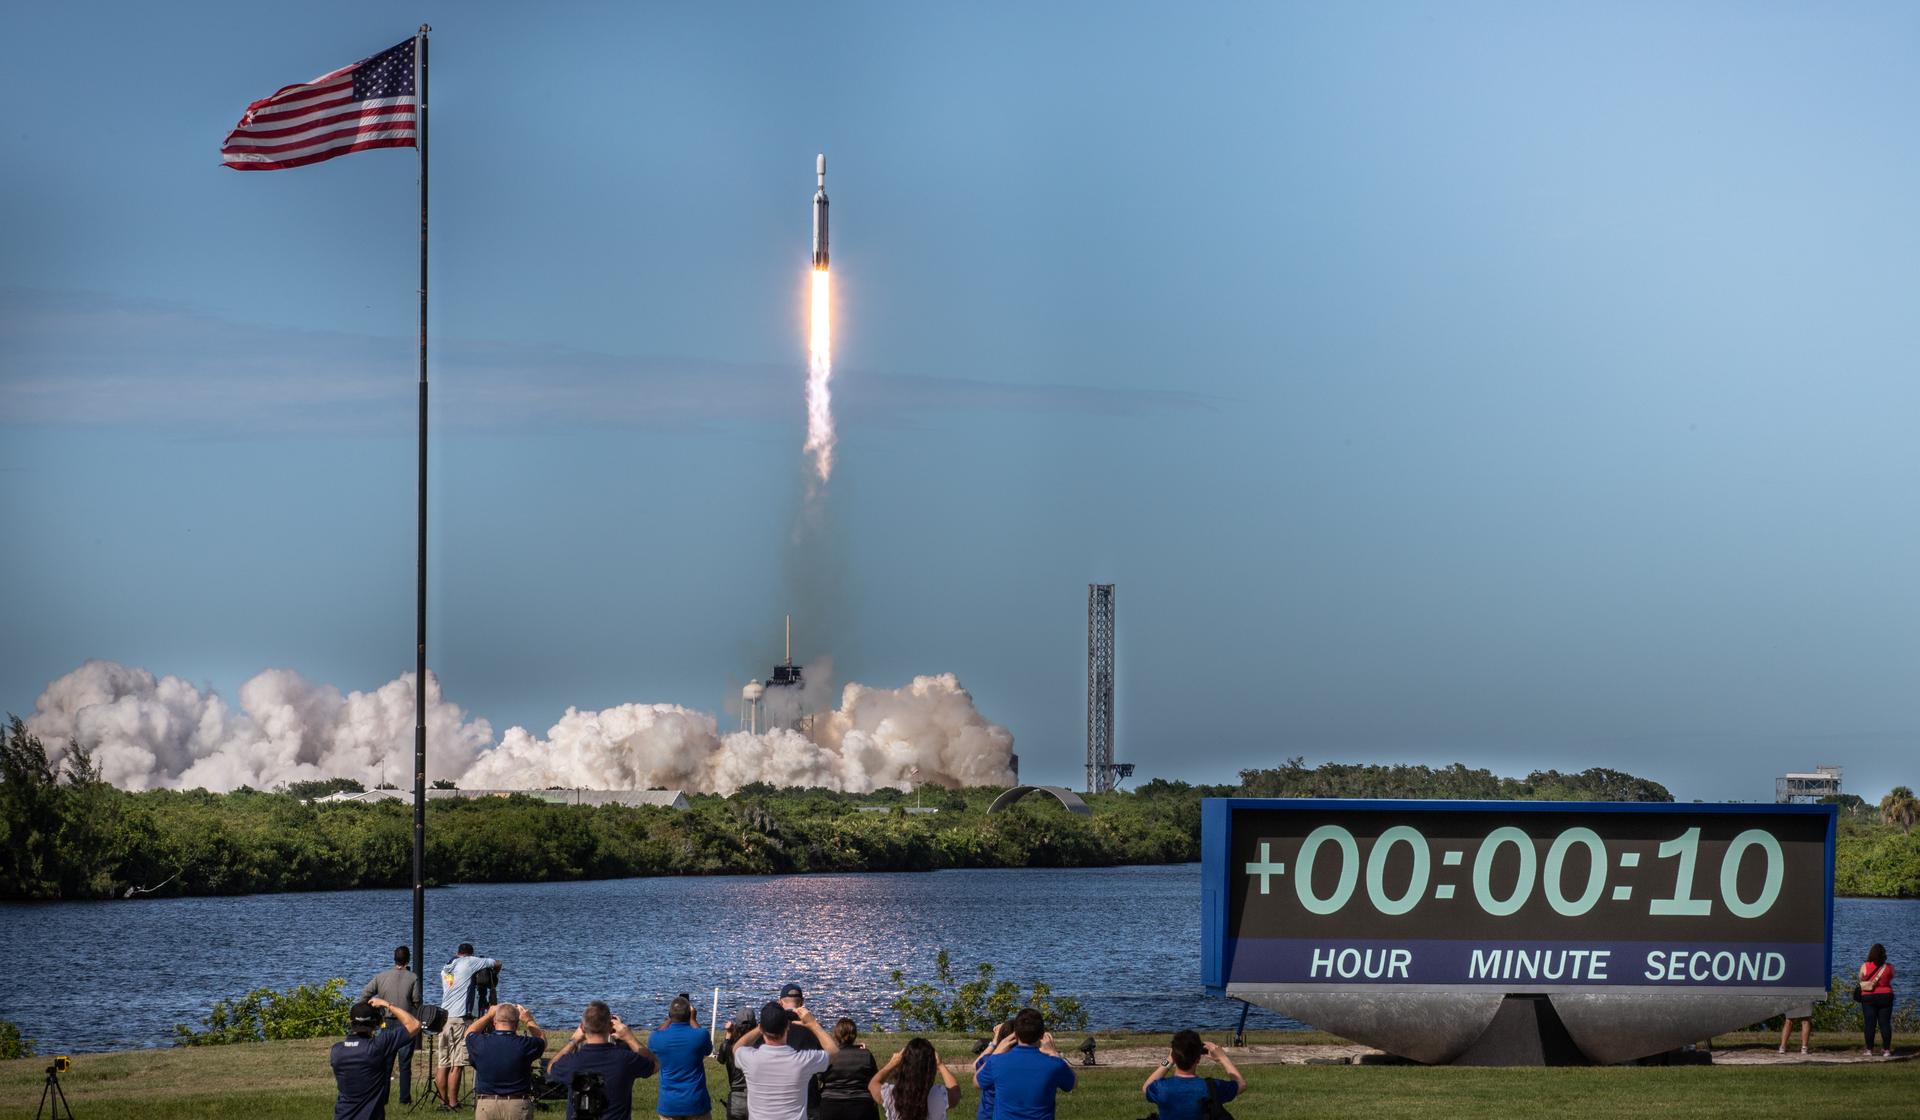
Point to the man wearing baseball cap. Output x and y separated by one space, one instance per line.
793 999
777 1074
363 1061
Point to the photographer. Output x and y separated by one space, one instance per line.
603 1049
681 1048
743 1024
1025 1072
503 1062
778 1074
456 998
400 987
363 1061
1182 1094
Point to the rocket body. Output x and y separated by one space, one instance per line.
820 215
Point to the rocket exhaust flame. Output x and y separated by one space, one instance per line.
820 435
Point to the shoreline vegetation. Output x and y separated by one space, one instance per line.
69 836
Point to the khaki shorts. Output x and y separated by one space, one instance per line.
503 1110
453 1044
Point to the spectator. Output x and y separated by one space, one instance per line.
681 1048
363 1061
456 998
400 987
503 1062
736 1077
843 1087
1876 998
1026 1072
1182 1094
602 1046
1802 1015
1002 1038
793 999
777 1074
915 1085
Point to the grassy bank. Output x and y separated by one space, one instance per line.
275 1080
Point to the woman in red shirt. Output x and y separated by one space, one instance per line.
1876 998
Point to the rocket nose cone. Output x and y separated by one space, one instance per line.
820 164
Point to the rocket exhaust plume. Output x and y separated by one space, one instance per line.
820 437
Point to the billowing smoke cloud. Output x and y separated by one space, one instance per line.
148 732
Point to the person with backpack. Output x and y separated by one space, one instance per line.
1180 1093
458 995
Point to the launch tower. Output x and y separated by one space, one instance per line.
1100 766
783 695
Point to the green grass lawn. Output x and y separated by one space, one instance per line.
269 1081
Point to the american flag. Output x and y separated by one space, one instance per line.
367 105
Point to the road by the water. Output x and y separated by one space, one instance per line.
106 975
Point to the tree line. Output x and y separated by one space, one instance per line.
65 834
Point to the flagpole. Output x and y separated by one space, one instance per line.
420 574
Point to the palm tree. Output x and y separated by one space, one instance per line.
1900 807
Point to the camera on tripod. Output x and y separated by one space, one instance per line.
52 1093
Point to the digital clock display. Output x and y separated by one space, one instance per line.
1526 896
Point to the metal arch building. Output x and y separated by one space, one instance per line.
1068 799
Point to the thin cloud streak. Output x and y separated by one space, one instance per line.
90 360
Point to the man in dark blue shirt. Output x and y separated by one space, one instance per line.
503 1062
1025 1076
603 1045
363 1061
681 1048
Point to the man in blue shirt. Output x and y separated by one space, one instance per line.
363 1061
503 1062
603 1045
681 1048
456 991
1182 1094
1025 1075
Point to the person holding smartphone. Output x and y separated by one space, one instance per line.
1178 1090
602 1044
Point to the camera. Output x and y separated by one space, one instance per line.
433 1019
61 1064
587 1092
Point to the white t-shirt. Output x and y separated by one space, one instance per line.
777 1079
936 1101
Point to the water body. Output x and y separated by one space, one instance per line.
106 975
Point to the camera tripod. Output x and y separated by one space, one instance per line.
52 1091
427 1095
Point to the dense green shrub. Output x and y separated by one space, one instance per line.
12 1043
947 1004
264 1015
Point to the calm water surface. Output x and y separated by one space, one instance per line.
103 975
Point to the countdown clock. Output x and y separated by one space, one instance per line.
1557 899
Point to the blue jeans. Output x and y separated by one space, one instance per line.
1878 1009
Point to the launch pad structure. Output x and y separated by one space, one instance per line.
783 692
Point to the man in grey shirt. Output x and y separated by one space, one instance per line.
401 988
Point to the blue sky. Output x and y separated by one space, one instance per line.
1521 385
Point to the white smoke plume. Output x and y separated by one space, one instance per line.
147 732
